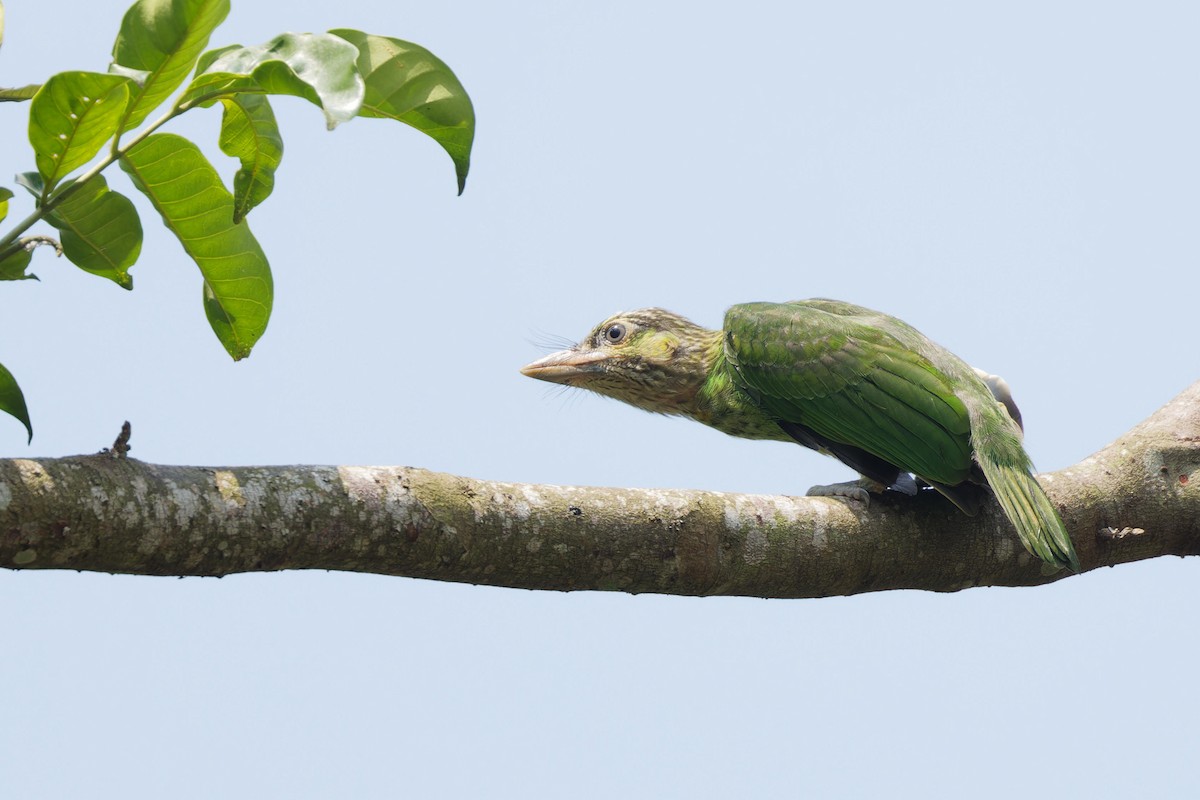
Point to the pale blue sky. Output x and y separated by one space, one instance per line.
1019 182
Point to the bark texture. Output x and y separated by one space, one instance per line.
1137 498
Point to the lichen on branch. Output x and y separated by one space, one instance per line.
1137 498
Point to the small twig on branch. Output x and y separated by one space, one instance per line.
33 242
121 447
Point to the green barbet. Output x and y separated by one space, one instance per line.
856 384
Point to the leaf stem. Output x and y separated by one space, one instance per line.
52 202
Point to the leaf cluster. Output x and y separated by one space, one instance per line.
81 123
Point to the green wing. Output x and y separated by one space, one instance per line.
853 376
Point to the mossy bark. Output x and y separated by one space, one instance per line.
1137 498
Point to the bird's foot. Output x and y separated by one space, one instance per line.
859 491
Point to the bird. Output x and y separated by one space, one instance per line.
856 384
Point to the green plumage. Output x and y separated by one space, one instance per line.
829 367
856 384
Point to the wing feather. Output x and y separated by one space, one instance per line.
832 368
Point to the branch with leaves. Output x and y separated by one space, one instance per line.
1137 498
77 119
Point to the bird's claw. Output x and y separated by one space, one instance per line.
851 490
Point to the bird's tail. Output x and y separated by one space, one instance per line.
1024 501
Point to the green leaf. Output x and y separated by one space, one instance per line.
71 117
19 94
20 253
6 194
316 66
31 182
157 46
101 231
195 205
249 133
13 266
408 83
12 401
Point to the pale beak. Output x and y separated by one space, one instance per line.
566 366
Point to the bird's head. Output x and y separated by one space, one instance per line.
649 358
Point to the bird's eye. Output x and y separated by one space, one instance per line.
614 333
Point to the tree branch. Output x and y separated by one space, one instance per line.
1137 498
